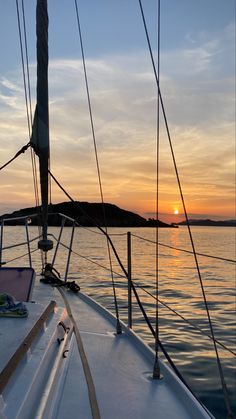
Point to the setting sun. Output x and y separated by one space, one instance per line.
176 211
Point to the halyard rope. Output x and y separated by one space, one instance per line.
87 372
28 98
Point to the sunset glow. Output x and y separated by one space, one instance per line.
197 81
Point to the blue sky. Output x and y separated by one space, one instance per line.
197 81
110 26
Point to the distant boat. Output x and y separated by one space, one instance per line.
62 355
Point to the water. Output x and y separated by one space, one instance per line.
178 288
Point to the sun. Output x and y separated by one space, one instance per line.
176 211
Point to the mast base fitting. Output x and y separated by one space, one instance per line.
45 245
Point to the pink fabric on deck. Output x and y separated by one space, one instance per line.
17 282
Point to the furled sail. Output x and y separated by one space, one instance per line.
40 131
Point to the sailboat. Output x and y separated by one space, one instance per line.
62 354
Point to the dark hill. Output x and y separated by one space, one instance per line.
207 222
87 214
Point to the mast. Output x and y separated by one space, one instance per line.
40 131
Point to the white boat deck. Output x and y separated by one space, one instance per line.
121 367
122 378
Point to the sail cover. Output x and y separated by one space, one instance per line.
40 130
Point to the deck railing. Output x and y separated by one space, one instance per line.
132 285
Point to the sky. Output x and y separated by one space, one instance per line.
197 81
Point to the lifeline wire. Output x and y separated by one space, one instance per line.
189 322
185 250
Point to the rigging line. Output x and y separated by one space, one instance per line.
27 62
147 292
86 368
36 193
77 223
150 294
185 319
86 258
21 151
35 178
29 114
90 229
96 158
23 66
76 203
172 364
20 244
33 162
118 234
223 383
89 100
156 370
159 342
50 181
27 96
20 257
184 250
100 228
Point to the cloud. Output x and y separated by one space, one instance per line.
198 99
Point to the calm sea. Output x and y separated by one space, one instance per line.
179 289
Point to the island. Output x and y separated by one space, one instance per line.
208 222
86 214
